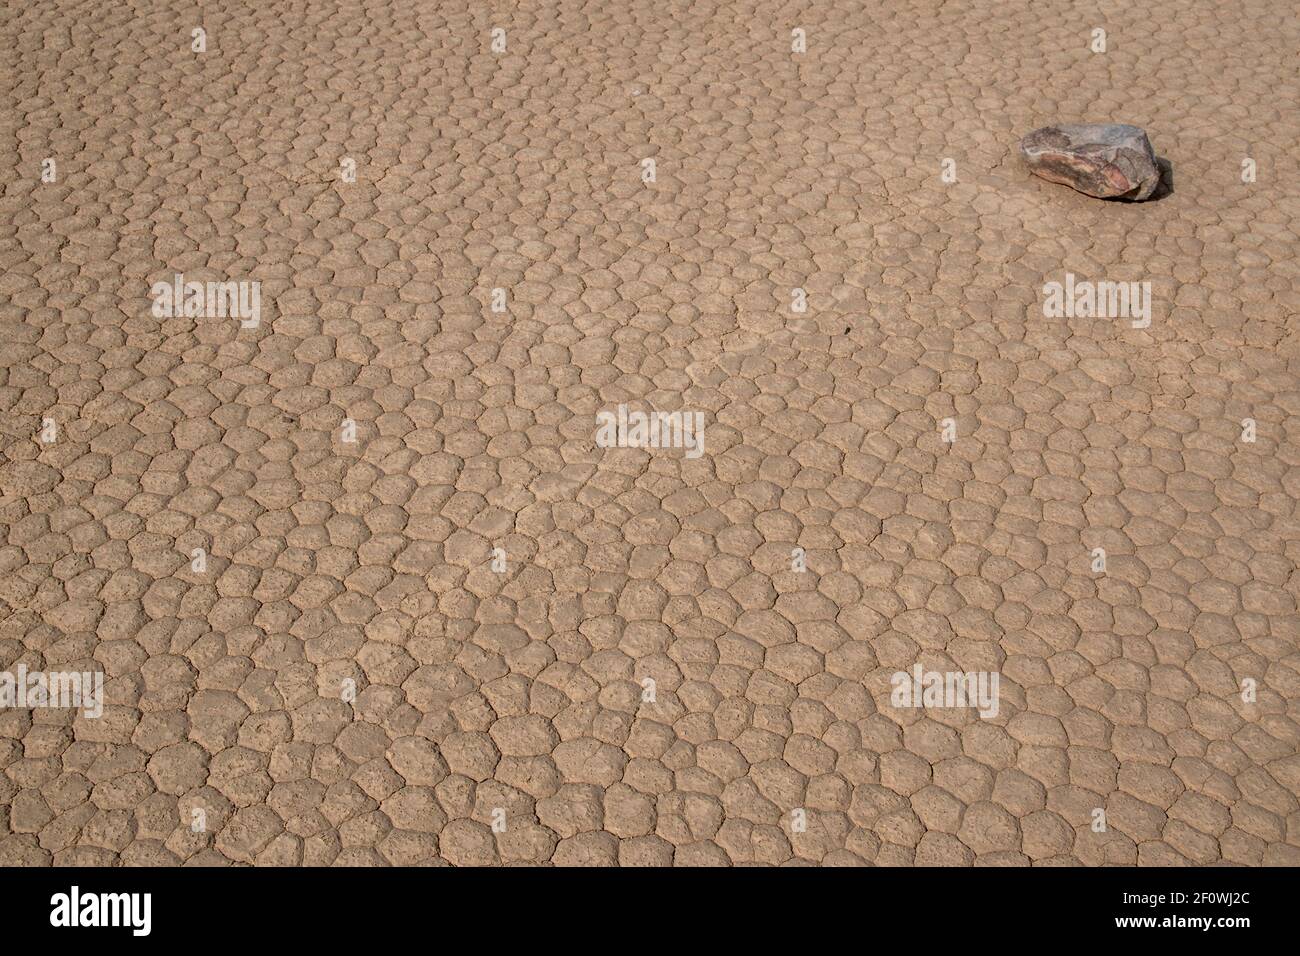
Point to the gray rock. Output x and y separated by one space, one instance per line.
1106 160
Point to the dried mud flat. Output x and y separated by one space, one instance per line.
505 716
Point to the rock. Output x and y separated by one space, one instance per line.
1106 160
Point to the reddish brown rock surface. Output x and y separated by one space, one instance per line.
1106 160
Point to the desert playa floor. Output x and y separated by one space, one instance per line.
472 634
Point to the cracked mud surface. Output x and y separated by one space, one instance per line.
518 696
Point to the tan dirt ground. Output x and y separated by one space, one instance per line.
517 697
